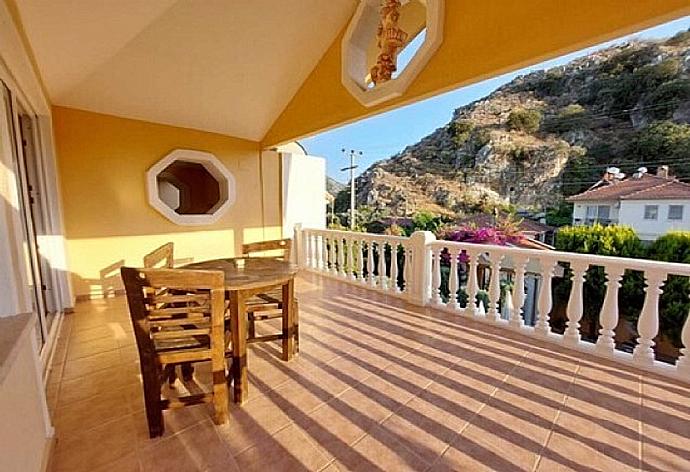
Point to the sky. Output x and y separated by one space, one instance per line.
384 135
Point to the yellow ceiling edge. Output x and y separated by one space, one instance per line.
482 40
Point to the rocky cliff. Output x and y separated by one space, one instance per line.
547 135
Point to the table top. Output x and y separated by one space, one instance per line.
249 272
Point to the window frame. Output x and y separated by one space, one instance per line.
656 214
681 212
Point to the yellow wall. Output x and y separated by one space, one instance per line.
481 39
102 162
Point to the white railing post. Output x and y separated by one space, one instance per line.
648 323
436 276
518 291
360 261
472 283
418 272
608 317
683 364
543 327
575 304
341 257
453 282
495 285
352 272
394 267
383 285
370 263
331 256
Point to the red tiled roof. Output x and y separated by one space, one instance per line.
668 191
487 220
621 189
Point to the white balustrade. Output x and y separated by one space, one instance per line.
361 258
518 295
575 304
436 276
608 317
543 327
648 323
495 285
472 283
453 282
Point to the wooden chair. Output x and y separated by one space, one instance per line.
163 257
269 305
162 303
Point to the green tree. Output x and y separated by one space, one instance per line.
523 119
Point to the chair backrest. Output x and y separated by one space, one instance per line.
282 245
160 257
160 299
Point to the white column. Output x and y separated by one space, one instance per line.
370 263
341 257
453 283
495 285
394 267
545 298
351 271
383 285
418 267
575 303
333 269
436 276
608 317
648 323
518 291
472 283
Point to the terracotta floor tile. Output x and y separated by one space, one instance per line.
128 463
195 449
288 450
380 450
88 365
467 455
335 427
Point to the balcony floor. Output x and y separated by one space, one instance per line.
378 385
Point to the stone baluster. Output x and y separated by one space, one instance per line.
351 272
370 263
324 251
648 322
495 285
453 282
472 283
360 261
341 257
543 327
683 364
394 267
307 248
575 307
436 276
608 317
332 246
518 291
383 283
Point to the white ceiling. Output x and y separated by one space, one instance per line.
227 66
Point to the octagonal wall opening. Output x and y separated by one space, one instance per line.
190 187
387 44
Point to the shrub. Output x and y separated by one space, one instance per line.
664 99
620 241
674 304
679 39
661 140
520 154
573 116
527 120
552 84
461 131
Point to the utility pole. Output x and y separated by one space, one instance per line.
352 168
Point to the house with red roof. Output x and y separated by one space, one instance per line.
652 204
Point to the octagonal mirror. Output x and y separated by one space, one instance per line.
190 187
387 44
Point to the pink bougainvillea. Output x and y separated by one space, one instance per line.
484 235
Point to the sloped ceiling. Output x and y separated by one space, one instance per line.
226 66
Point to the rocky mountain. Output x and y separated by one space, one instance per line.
547 135
333 186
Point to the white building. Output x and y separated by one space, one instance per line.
652 205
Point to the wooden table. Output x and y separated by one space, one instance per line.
244 278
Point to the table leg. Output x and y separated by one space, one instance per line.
238 326
288 320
